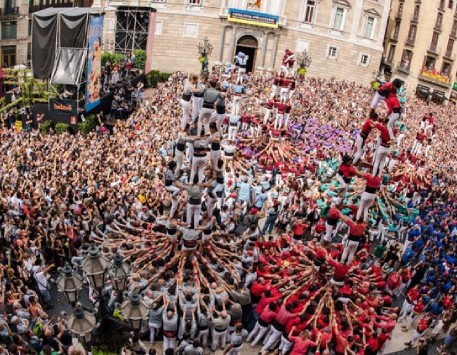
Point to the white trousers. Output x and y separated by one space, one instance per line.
241 74
185 113
278 121
236 105
390 124
235 351
284 94
174 200
274 91
350 247
266 115
271 339
203 119
219 121
343 184
380 160
376 100
406 308
400 139
328 232
198 166
257 334
218 338
366 200
153 329
359 143
203 337
197 103
285 346
214 157
193 212
232 132
179 159
169 343
417 147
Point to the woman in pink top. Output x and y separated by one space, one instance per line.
303 343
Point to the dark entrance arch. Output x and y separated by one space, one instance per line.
248 44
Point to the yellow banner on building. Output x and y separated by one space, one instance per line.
253 18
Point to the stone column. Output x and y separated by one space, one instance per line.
273 53
356 19
264 50
232 43
222 45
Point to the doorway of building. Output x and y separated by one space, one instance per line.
9 56
248 45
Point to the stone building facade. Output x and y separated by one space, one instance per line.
420 47
344 38
16 27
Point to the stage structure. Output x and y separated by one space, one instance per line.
66 41
133 28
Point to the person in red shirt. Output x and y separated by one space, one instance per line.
282 114
373 183
363 135
266 299
393 113
340 272
382 150
278 326
298 324
302 344
356 234
268 108
346 172
298 229
385 91
382 340
418 308
406 275
372 344
326 336
393 282
341 343
264 321
388 323
411 296
258 288
418 142
334 216
420 330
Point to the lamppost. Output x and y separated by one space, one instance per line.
134 310
69 282
304 61
82 323
204 51
97 269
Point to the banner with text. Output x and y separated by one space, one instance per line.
62 107
94 62
253 18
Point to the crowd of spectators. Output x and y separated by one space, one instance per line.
223 194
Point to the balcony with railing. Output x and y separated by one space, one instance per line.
448 54
434 49
82 3
433 76
410 41
9 11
